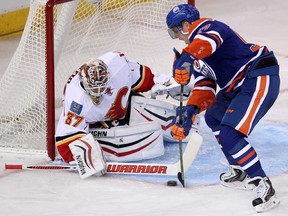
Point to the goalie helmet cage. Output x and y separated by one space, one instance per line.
59 36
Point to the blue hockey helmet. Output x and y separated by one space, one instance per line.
180 13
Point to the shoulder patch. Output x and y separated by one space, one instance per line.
76 107
204 28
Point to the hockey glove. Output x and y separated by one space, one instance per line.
181 129
183 67
170 87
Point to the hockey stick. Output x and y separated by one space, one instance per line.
39 167
180 174
189 155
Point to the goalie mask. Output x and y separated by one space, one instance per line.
95 77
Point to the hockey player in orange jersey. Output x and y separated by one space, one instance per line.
248 77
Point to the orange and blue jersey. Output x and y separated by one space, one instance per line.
248 76
226 55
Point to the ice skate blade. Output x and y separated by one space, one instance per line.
272 203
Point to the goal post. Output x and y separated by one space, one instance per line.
50 75
59 36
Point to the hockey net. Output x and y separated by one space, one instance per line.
31 88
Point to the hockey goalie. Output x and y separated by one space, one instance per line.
104 116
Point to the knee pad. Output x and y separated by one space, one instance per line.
231 140
211 122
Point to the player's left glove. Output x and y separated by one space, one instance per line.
183 67
179 129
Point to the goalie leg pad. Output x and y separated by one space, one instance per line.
131 143
88 156
147 110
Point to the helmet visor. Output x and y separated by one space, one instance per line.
175 32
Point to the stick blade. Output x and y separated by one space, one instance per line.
181 178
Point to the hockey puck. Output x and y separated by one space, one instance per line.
172 183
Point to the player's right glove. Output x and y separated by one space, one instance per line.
179 129
183 67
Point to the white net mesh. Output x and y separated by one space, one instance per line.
81 31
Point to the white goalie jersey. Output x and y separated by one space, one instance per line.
79 111
123 75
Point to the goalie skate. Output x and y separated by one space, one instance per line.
235 178
265 194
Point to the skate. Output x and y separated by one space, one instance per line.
235 178
265 194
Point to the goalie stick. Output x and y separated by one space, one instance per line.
189 155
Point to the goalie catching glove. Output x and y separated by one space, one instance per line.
165 84
181 127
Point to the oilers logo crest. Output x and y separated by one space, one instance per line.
203 68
